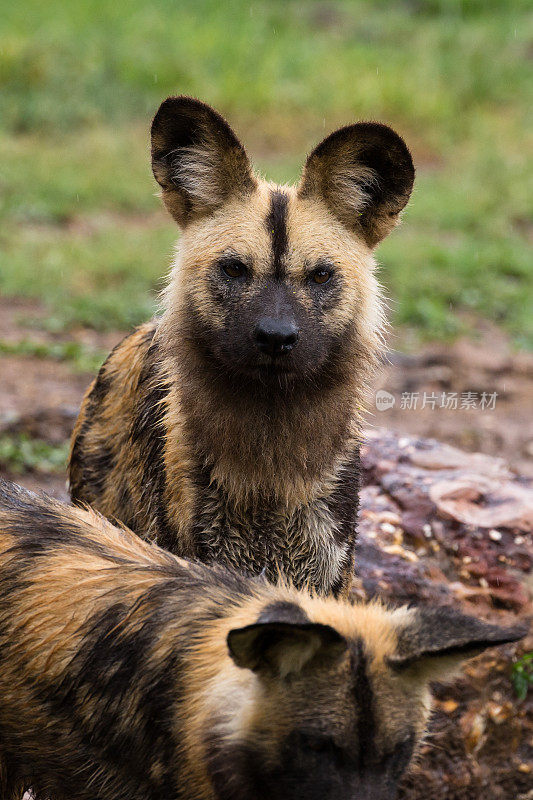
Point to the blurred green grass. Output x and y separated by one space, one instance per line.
80 227
20 454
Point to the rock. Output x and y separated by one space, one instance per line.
439 526
479 501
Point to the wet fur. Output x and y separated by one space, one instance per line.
126 672
189 435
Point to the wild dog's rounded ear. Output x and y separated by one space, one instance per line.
284 648
196 159
436 641
365 174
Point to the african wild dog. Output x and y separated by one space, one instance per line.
129 674
228 429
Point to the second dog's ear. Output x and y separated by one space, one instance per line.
436 641
283 641
196 159
281 648
364 173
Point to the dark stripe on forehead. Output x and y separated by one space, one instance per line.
364 703
276 223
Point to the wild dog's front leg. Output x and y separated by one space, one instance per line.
343 505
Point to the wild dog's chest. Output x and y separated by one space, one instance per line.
307 544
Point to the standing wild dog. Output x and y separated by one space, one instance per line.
128 674
228 429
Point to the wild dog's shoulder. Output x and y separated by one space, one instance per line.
127 359
108 411
119 375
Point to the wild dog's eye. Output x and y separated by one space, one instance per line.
233 268
321 276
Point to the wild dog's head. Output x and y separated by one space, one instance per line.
337 710
275 280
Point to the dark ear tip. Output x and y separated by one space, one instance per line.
177 104
369 133
380 130
180 120
516 632
377 134
453 619
483 637
496 635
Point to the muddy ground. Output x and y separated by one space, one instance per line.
437 525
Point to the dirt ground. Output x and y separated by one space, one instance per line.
40 397
462 373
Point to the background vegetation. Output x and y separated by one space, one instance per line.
80 226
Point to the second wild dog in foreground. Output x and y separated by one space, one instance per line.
228 430
129 674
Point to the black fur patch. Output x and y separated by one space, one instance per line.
126 504
276 223
232 769
343 502
283 612
112 670
88 473
96 469
78 459
445 631
148 433
364 702
400 757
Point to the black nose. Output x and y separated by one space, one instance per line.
276 336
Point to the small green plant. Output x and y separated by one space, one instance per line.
522 675
82 358
19 454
